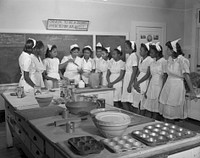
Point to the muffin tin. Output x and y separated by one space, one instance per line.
161 133
85 145
122 144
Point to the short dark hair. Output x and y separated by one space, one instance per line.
145 47
74 49
118 52
28 46
160 53
47 55
128 42
178 47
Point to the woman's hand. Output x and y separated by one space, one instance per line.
110 85
129 89
193 96
137 86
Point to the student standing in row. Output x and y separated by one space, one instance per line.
37 67
24 64
172 97
103 66
130 75
72 64
115 74
157 70
88 64
143 77
98 57
51 64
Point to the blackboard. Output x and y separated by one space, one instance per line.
112 41
11 46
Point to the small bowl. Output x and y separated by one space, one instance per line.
44 99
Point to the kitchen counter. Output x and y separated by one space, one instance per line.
35 129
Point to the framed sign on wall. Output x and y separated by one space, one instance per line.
68 25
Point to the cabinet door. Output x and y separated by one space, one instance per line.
194 109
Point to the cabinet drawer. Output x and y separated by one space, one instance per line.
49 150
21 121
9 108
36 139
36 152
23 136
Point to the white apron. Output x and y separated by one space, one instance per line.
143 67
172 97
157 69
24 63
52 69
72 69
132 60
87 67
115 69
36 70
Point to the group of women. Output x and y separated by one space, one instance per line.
146 83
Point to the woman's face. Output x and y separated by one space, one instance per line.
153 53
115 55
143 52
128 50
86 54
169 52
41 52
74 53
54 53
98 53
104 55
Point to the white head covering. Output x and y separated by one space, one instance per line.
147 45
119 48
49 46
173 43
88 47
108 49
34 42
157 46
99 44
132 44
74 46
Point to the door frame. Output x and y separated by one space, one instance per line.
135 24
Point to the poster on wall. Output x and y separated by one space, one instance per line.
68 25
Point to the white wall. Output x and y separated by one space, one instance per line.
29 15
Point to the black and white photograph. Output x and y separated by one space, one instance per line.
100 79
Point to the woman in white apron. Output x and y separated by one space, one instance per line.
51 64
98 56
37 68
143 77
172 97
88 64
115 75
72 64
130 75
103 66
157 70
24 64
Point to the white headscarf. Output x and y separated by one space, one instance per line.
34 42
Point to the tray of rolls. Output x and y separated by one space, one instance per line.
161 133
